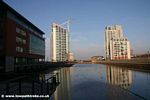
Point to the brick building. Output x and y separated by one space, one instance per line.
20 40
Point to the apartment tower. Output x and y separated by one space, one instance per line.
59 43
117 47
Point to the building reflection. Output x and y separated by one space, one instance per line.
43 76
63 90
118 76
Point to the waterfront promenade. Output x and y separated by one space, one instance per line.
142 64
32 69
130 62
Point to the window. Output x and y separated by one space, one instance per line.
109 28
36 45
20 31
20 60
24 41
16 60
20 40
23 33
19 49
17 30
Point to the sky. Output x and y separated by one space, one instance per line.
88 20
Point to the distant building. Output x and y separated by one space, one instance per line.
97 58
59 43
116 45
20 41
131 53
70 57
142 56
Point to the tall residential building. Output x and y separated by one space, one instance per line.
116 45
59 43
20 40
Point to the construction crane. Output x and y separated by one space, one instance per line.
66 25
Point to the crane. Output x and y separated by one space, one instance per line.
66 25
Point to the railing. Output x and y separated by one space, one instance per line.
26 85
133 61
40 66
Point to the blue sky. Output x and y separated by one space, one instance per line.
89 18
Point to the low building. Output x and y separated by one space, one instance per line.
70 57
141 56
20 40
97 58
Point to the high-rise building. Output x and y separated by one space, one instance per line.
59 43
21 42
116 45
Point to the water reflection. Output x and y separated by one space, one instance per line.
118 76
63 90
100 82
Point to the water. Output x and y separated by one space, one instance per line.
101 82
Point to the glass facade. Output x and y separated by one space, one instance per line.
20 60
36 45
20 40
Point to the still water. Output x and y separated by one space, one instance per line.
101 82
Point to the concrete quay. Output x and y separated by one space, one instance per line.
143 64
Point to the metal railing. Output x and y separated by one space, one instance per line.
26 85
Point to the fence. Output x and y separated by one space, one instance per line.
27 86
